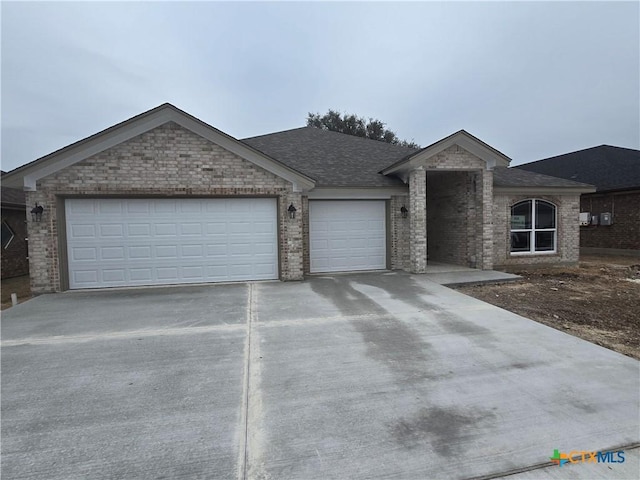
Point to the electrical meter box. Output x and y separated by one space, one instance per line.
585 219
605 219
594 219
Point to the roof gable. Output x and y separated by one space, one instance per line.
29 174
463 139
606 167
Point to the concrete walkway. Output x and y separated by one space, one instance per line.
450 275
354 376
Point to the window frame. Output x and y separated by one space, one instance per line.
533 230
13 234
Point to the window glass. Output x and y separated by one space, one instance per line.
520 241
544 241
7 235
545 215
521 216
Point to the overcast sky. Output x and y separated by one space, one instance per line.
531 79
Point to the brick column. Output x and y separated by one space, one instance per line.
291 259
418 220
399 233
487 219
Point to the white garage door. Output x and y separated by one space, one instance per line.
347 235
125 242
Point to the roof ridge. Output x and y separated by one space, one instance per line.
274 133
575 152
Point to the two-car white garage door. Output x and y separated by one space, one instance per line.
124 242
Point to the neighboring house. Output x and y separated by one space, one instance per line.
165 198
14 233
611 215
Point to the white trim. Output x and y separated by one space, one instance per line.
533 230
13 235
68 156
350 193
491 157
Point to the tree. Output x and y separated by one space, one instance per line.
352 124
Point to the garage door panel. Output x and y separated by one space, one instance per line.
347 235
167 251
191 229
82 231
119 242
112 253
136 207
114 276
165 229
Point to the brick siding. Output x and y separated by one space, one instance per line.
166 161
624 233
14 257
399 230
568 231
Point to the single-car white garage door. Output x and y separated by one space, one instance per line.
347 235
126 242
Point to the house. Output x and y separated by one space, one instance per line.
164 198
611 214
14 233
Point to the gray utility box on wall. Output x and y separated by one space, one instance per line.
594 219
605 219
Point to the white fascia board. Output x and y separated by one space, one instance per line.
491 158
533 191
94 147
351 193
153 120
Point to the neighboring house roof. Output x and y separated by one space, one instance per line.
30 173
504 177
333 159
11 197
607 167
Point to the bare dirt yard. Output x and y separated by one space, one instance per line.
598 301
19 286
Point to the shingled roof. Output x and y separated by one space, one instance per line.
608 168
332 159
11 196
513 177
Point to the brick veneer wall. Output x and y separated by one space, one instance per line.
450 213
399 231
418 221
14 257
568 231
624 233
166 161
461 230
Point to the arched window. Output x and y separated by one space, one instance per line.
533 227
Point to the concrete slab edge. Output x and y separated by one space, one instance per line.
472 283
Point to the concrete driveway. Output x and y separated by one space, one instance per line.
354 376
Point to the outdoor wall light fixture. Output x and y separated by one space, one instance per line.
36 213
404 212
292 211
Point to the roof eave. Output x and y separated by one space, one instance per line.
540 190
462 138
27 175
